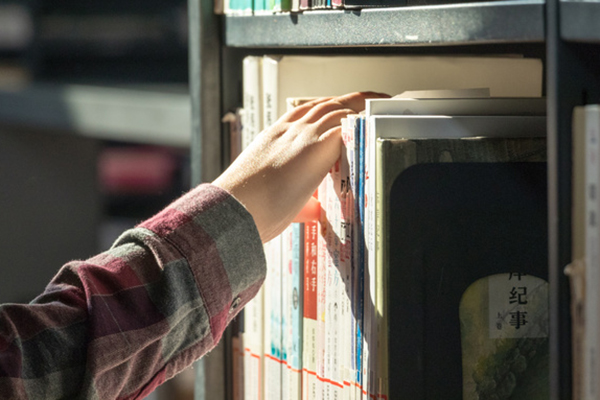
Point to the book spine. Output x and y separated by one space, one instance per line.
381 267
305 5
370 301
321 292
334 285
272 327
270 80
286 310
237 352
295 294
252 99
347 326
359 131
309 343
592 261
253 350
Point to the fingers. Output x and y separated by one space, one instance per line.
332 119
313 110
301 110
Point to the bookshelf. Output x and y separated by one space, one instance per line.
446 25
563 33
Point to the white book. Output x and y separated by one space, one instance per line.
272 325
322 294
286 310
252 99
456 106
334 286
314 76
295 304
253 347
592 261
586 240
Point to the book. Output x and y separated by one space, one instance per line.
273 321
535 106
502 112
252 99
460 166
584 270
253 338
292 76
295 305
309 342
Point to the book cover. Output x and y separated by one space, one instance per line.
455 211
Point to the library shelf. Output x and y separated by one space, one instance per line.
452 24
158 115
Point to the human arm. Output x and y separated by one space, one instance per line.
119 324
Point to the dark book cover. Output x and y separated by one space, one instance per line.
466 268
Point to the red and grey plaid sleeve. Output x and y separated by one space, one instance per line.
121 323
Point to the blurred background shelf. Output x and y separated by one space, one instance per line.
157 115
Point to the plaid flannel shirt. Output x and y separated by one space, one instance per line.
119 324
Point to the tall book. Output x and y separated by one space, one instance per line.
253 338
253 321
272 346
295 305
584 270
461 218
252 99
314 76
310 329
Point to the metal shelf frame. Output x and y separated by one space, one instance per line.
454 24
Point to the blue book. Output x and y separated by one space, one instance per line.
360 243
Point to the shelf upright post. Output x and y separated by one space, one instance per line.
205 93
205 90
559 202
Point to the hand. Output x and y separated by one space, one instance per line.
280 170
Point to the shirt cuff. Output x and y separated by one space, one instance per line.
219 240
